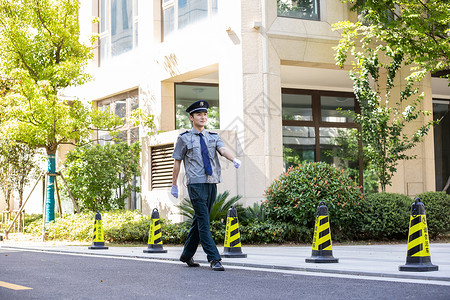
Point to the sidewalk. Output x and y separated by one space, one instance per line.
367 260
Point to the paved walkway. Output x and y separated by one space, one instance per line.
369 260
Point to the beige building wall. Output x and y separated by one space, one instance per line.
251 54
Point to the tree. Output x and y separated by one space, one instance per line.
41 52
18 166
384 114
418 29
100 177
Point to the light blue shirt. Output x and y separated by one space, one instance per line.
188 150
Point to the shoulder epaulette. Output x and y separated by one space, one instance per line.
185 132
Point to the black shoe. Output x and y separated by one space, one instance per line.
217 266
189 261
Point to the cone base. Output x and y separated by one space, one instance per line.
154 248
322 259
418 268
233 252
233 255
94 247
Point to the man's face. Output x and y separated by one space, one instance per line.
199 119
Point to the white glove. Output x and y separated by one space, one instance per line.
237 163
174 191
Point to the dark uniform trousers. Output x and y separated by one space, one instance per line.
202 196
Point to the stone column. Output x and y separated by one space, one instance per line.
250 102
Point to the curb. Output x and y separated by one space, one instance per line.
244 265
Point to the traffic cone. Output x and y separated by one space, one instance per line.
322 251
98 240
155 244
232 245
418 257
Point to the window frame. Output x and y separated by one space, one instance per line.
317 122
127 128
106 34
309 19
167 4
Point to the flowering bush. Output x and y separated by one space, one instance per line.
294 196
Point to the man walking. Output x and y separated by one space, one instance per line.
198 148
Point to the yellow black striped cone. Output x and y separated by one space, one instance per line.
322 251
418 257
155 244
232 245
98 239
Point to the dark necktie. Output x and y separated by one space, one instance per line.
205 156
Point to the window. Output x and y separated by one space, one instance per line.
121 105
317 127
161 162
441 111
188 93
300 9
118 27
178 14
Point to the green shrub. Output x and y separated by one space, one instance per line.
30 218
258 232
385 216
437 210
68 227
293 198
252 214
94 173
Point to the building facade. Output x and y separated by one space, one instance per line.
267 69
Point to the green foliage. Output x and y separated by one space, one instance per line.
119 226
385 216
258 232
218 211
253 213
96 173
30 218
293 198
417 28
437 210
18 165
384 115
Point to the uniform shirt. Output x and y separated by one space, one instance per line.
188 150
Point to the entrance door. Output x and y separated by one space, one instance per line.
441 112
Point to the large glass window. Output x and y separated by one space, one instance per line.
178 14
186 94
118 27
317 127
300 9
441 112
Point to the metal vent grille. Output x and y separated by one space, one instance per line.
161 166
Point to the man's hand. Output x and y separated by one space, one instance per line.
174 191
237 163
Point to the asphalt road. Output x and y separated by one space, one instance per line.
58 276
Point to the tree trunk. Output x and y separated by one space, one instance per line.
20 205
50 203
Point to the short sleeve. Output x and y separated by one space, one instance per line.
219 143
180 150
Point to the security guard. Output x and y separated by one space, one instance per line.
198 149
